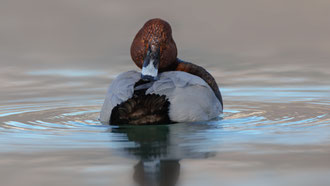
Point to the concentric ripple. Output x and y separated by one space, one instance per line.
267 114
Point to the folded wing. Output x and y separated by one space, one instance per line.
120 90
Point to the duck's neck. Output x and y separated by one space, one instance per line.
200 72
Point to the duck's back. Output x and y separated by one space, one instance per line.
120 90
190 97
180 96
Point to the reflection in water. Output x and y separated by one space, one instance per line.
160 148
162 172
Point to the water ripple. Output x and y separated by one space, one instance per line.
73 123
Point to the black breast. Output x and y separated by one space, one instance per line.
141 109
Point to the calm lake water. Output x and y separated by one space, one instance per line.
271 60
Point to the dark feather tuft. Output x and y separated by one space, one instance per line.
142 109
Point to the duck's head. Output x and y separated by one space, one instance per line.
153 48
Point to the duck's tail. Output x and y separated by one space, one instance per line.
142 110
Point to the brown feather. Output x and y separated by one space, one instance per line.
142 110
202 73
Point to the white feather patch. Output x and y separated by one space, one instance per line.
191 98
150 70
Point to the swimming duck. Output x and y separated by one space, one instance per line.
167 90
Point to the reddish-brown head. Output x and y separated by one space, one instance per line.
155 37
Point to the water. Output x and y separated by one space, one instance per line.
272 69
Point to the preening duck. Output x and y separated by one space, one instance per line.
167 90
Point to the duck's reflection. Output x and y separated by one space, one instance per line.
160 148
161 172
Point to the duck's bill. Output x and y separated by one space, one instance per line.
150 65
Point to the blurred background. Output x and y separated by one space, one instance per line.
274 36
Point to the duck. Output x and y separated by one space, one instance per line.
167 90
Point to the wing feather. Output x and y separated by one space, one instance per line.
191 98
120 90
